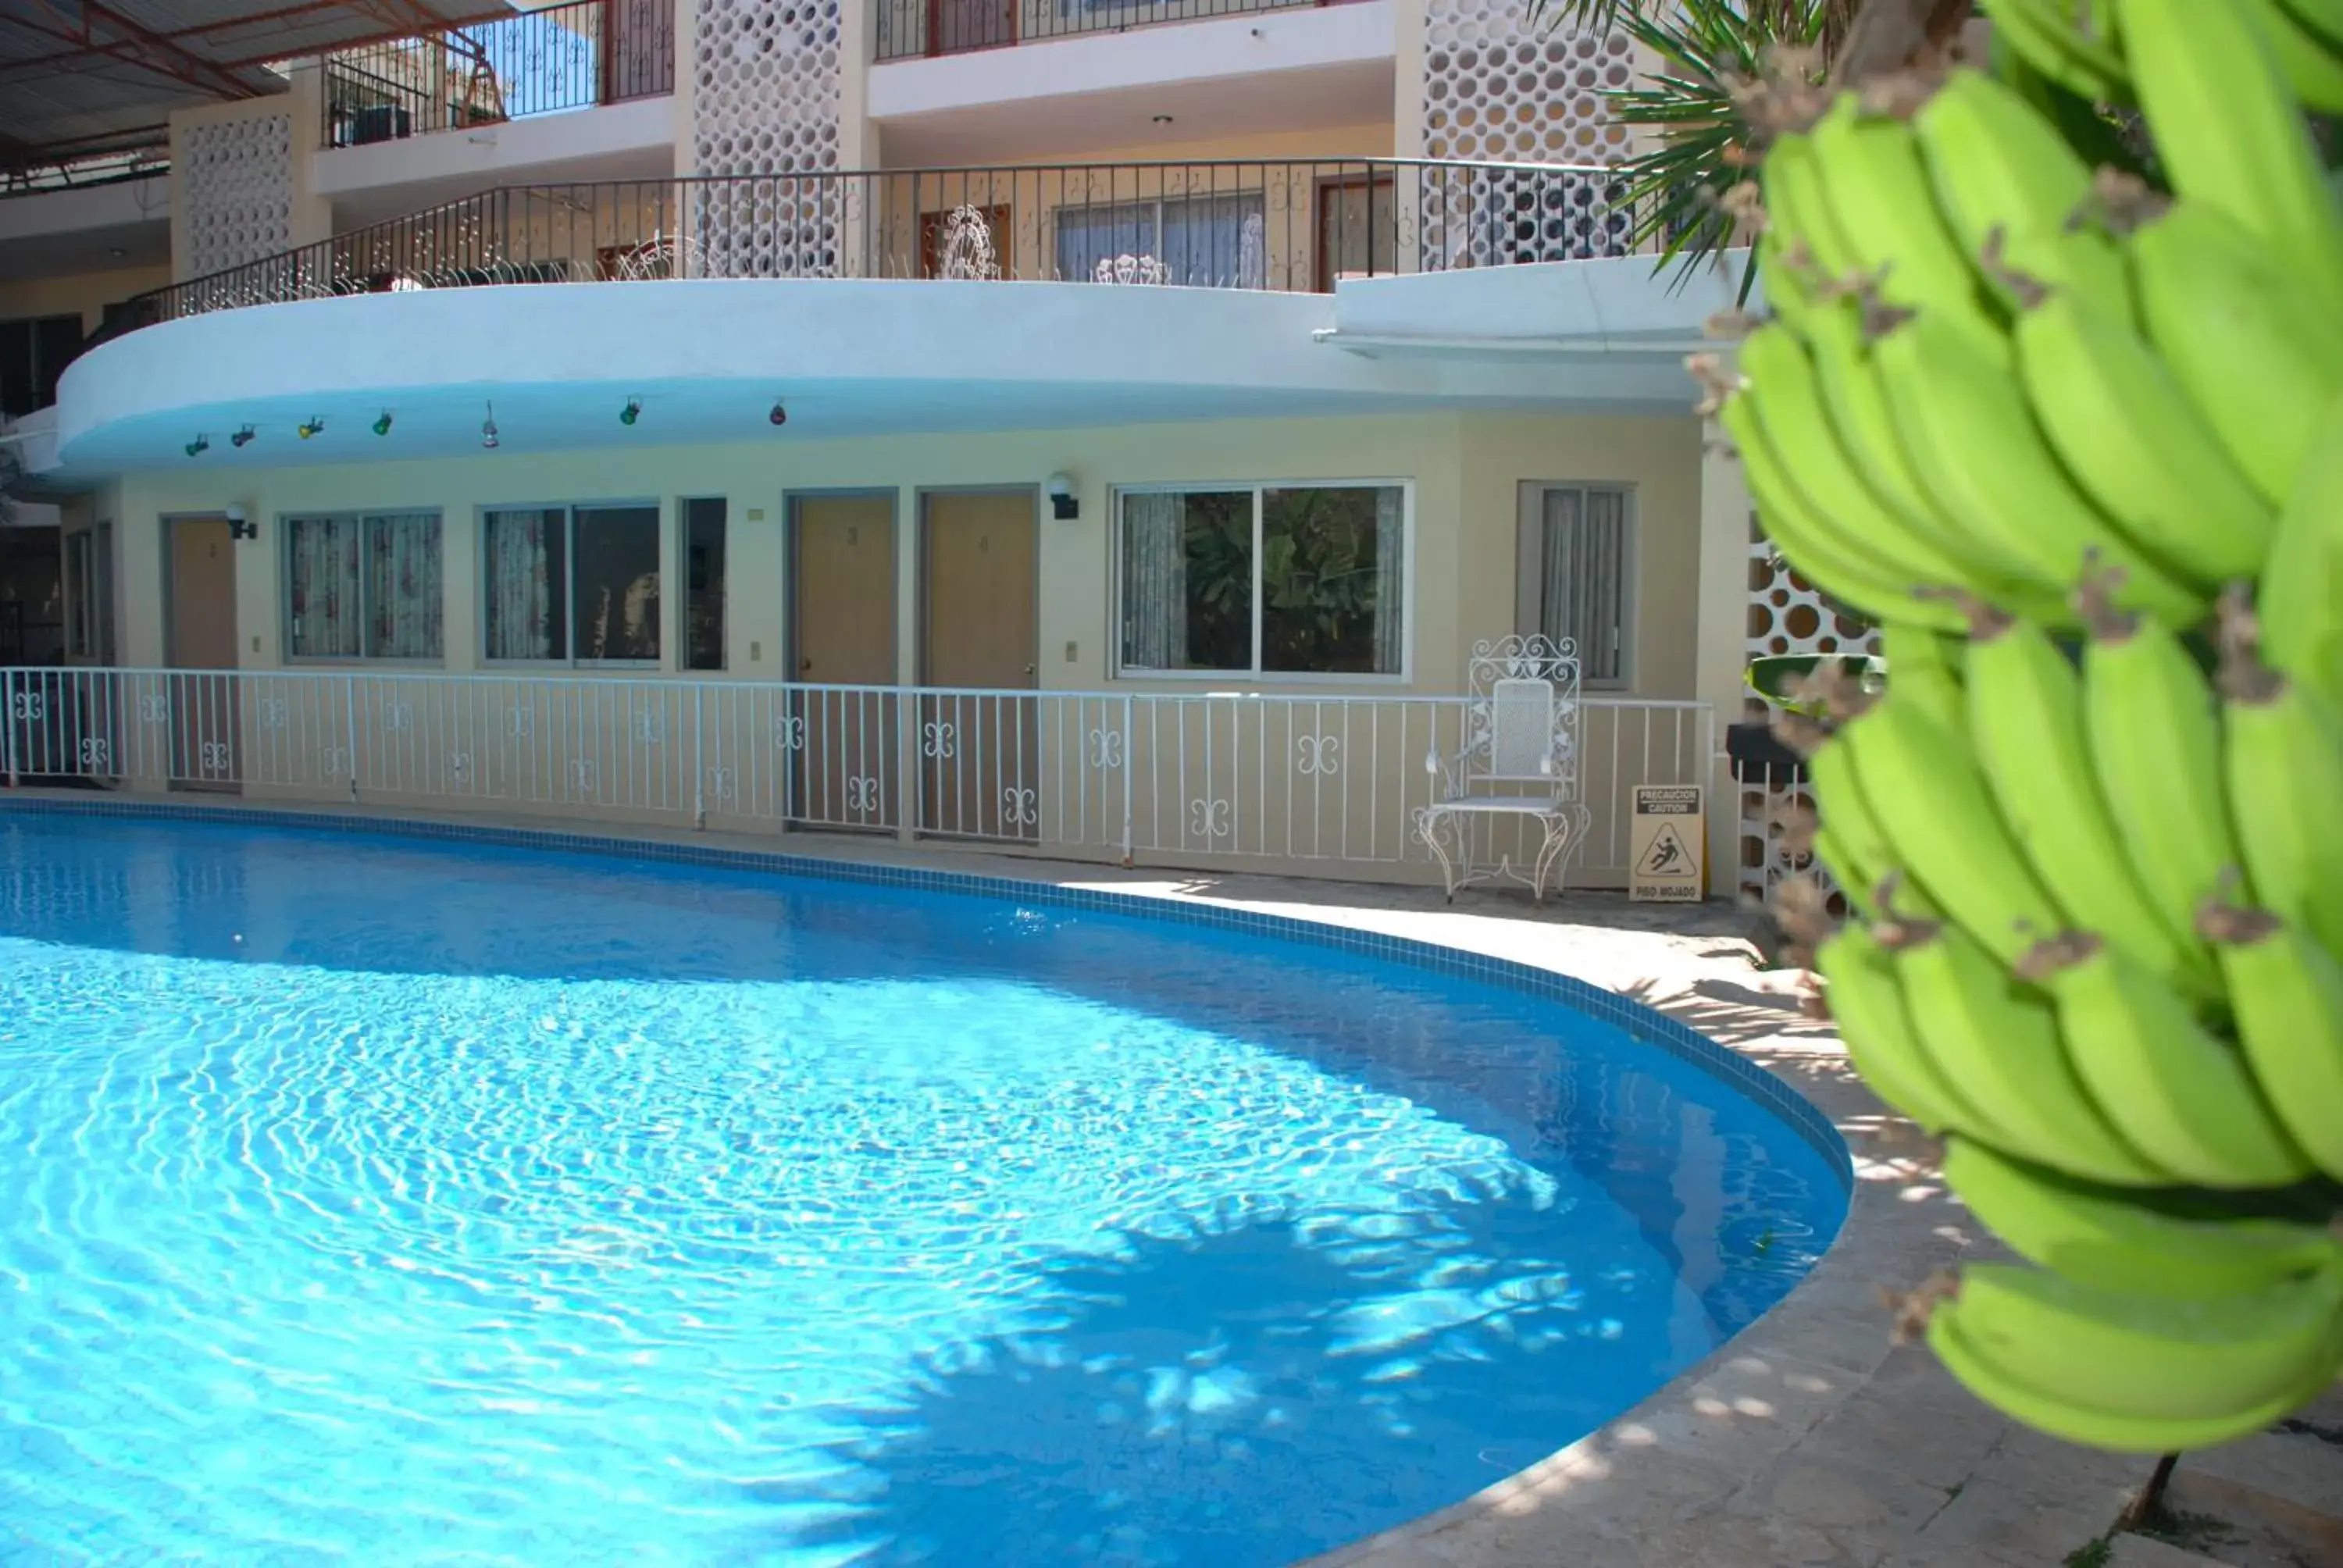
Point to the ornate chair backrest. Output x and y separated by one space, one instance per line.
1521 714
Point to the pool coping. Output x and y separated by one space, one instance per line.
1761 1453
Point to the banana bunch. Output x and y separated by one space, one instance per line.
2081 44
2077 447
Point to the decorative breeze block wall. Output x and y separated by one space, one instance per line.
766 101
1786 616
1499 87
237 177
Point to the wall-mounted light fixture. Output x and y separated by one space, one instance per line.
631 412
382 424
238 528
778 416
198 447
1064 504
313 426
488 429
243 438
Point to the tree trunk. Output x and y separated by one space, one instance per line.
1889 34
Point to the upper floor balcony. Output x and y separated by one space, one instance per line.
578 55
914 29
1284 225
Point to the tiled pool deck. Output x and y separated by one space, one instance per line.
1810 1439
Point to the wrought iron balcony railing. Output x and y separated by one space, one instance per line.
103 160
1294 227
908 29
570 56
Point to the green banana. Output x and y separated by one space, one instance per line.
2118 1239
1876 1031
2000 1044
2086 64
2229 127
2321 19
1857 407
1870 171
2299 599
1914 769
1963 420
1782 387
1798 212
1846 872
2010 187
2283 761
2311 62
2181 1097
2287 993
2161 1358
1928 666
2155 740
1860 855
2130 436
2261 357
2025 719
1819 553
2094 1428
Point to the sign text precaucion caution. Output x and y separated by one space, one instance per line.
1667 839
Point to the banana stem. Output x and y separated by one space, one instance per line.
2148 1500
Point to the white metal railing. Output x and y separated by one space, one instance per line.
1166 778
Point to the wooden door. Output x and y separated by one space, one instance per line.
950 241
202 620
842 709
979 744
1358 228
957 25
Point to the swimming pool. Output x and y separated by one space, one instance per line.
400 1200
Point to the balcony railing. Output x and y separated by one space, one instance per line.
105 160
1294 227
1140 778
571 57
910 28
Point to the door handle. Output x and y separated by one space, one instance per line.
804 665
1029 670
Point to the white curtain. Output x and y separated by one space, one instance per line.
1584 592
403 602
522 594
1391 580
1155 582
323 584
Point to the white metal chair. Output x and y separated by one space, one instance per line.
1519 761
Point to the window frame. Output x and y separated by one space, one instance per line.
682 630
1156 206
1529 588
284 528
79 565
569 511
1256 675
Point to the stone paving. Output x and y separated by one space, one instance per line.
1810 1440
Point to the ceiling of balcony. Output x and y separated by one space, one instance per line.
77 74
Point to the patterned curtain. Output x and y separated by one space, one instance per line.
323 587
1155 582
1391 580
1585 573
404 603
520 584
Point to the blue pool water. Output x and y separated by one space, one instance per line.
367 1200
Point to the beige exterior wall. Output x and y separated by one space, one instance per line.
1466 471
86 293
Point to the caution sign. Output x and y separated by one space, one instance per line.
1667 839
